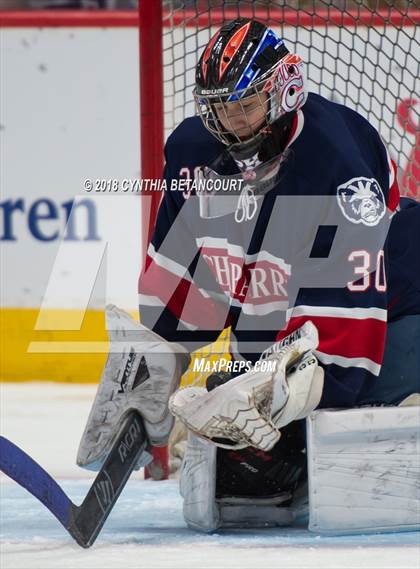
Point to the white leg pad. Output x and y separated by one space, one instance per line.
203 512
198 485
364 470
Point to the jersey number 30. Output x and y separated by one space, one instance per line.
367 274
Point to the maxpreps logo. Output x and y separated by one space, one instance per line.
362 201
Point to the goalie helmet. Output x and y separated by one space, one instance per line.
248 84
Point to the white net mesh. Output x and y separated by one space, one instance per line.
364 57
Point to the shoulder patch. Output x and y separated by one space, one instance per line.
362 201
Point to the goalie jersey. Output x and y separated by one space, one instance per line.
330 243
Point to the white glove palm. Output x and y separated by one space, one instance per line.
237 410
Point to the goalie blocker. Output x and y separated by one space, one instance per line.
141 372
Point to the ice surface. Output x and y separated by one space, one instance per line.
146 528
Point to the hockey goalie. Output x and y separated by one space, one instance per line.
292 234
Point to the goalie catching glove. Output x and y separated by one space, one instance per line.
141 372
250 409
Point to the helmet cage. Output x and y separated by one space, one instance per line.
282 90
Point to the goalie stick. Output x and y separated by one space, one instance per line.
83 522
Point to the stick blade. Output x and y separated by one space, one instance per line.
89 518
83 522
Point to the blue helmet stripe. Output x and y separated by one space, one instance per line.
249 74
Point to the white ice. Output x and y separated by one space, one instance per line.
146 528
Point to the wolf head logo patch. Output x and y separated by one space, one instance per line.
362 201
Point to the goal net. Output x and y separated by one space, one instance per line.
362 54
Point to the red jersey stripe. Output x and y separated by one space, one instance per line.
350 338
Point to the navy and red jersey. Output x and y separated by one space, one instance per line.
329 243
